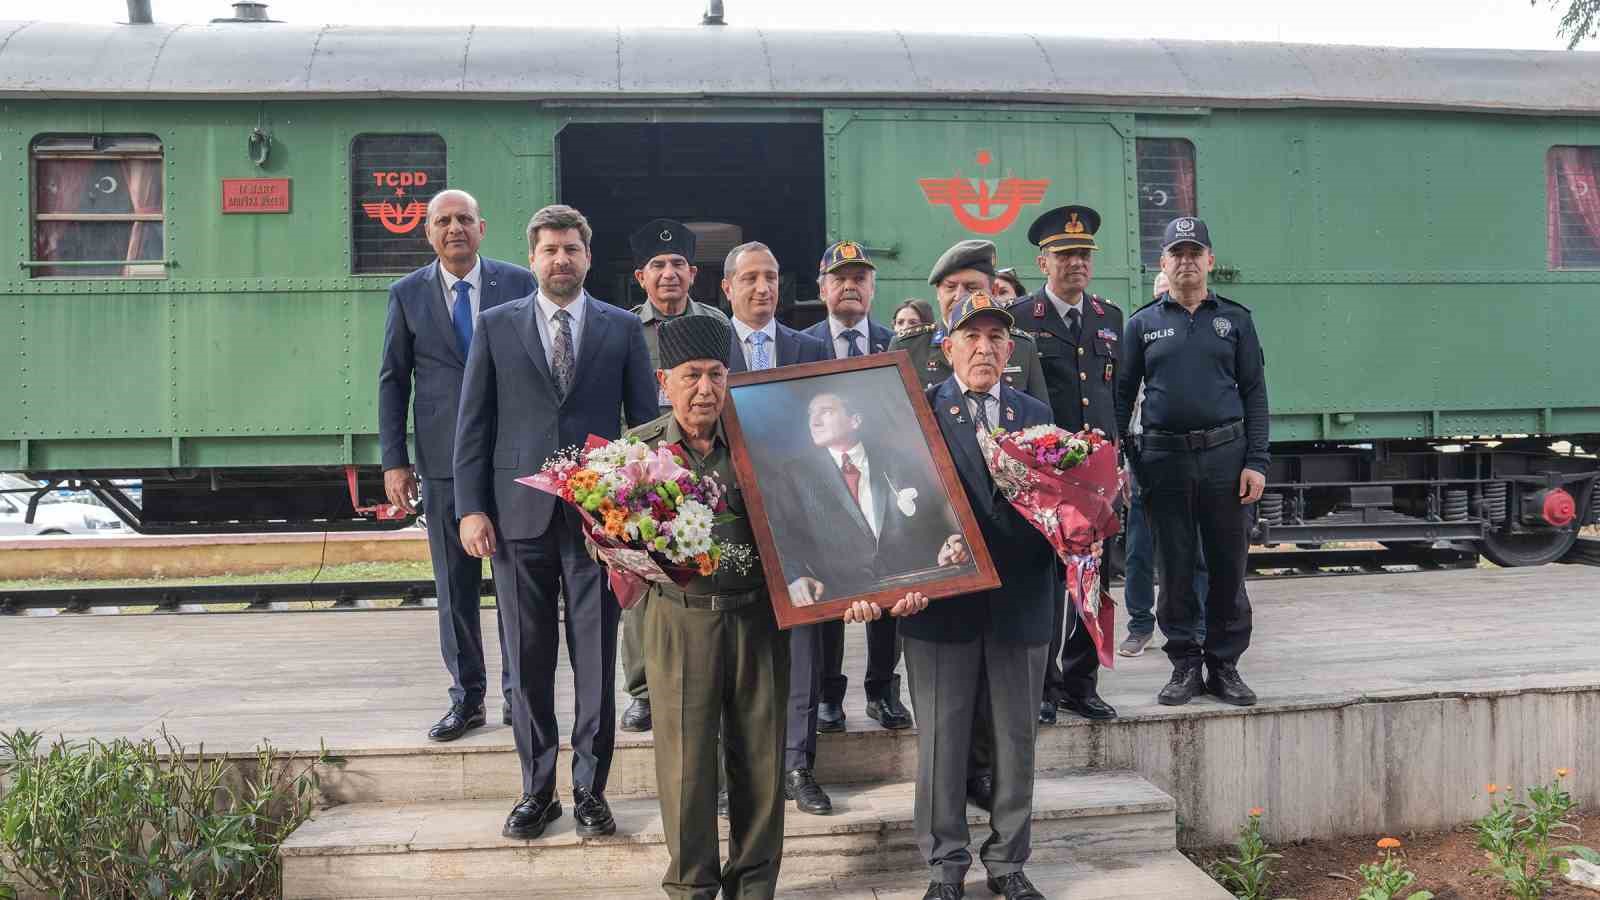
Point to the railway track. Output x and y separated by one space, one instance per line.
321 596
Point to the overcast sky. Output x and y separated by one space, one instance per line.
1413 23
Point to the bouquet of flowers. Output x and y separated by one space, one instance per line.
1063 484
647 517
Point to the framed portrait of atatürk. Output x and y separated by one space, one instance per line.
850 488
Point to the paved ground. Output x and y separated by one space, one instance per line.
373 679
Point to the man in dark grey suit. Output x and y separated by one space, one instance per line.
848 281
544 373
426 341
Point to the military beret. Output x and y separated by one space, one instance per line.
969 254
844 253
687 338
978 304
1185 230
1065 228
661 236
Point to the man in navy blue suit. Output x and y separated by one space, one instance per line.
545 372
994 641
425 341
848 281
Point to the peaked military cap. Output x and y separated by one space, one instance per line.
978 304
661 236
1185 230
1065 228
969 254
844 253
687 338
1010 274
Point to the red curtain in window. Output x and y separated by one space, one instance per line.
143 178
1578 175
1183 166
62 183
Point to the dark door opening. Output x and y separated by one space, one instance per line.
730 182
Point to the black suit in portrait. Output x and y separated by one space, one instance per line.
423 360
513 418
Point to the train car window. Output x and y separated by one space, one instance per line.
392 178
1166 189
1572 206
97 207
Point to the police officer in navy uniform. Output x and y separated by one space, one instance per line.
1078 335
1201 460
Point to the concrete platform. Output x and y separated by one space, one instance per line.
126 555
1387 702
399 850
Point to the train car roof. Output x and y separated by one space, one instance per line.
42 60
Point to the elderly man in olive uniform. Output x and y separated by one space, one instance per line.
716 660
663 251
968 267
1077 333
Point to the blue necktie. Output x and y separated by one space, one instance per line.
461 315
850 335
758 351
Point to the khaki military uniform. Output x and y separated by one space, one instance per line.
717 666
1023 372
634 680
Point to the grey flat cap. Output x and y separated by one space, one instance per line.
971 254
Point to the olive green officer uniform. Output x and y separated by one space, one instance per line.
1023 372
717 666
652 319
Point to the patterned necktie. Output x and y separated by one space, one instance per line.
461 315
1074 324
981 401
759 359
851 336
562 362
852 479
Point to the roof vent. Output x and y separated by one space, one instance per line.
713 14
139 12
248 12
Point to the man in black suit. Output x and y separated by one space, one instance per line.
848 281
1078 334
544 373
425 341
995 641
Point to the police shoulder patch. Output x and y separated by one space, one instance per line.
1221 326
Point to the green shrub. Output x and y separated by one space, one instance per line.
1515 837
1248 874
118 820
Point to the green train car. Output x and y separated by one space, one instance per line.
206 220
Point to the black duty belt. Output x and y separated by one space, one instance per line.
714 602
1203 439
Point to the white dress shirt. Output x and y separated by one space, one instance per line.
858 457
841 345
1062 306
546 310
744 331
474 278
991 404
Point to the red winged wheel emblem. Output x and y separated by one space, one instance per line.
984 205
395 219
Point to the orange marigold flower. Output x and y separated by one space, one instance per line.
1493 789
1388 843
583 480
1256 810
616 520
1562 772
705 564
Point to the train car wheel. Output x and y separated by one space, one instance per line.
1536 549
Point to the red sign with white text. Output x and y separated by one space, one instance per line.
255 195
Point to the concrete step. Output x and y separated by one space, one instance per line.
483 765
454 848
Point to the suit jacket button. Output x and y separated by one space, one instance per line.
1080 351
1086 401
1083 376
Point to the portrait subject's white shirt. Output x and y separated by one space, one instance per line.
744 331
858 458
546 310
474 278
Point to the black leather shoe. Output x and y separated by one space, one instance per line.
830 717
1224 683
531 814
1047 712
505 714
801 786
887 711
980 792
1183 687
592 813
1015 886
458 721
1090 706
944 890
637 716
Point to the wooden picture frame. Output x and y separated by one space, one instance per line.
805 520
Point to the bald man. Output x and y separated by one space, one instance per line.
432 313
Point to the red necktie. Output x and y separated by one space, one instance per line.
852 479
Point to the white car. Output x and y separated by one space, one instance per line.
50 518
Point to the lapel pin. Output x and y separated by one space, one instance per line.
955 410
1011 414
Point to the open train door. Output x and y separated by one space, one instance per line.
908 183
